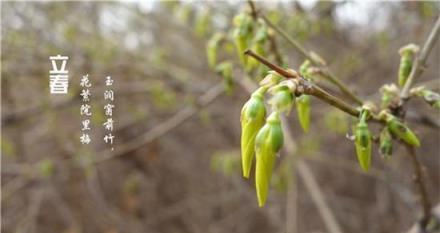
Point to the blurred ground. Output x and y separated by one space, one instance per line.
186 177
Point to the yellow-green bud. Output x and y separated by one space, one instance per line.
390 95
282 99
258 48
268 142
271 79
262 33
225 70
242 35
386 142
212 48
400 130
304 69
303 110
202 23
432 98
252 119
406 62
363 142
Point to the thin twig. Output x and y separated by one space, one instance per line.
420 62
342 87
418 179
166 126
308 87
318 197
332 78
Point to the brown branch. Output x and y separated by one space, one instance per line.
164 127
343 88
418 179
420 62
307 86
333 79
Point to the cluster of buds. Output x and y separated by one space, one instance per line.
249 33
261 136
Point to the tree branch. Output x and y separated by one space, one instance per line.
307 86
332 78
418 179
420 62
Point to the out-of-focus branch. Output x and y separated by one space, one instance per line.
166 126
420 61
418 179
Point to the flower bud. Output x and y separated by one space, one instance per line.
282 99
242 33
303 110
432 98
258 43
268 142
406 62
272 79
258 48
203 21
390 95
363 142
304 69
400 130
386 142
225 70
212 48
252 119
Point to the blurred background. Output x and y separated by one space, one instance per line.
175 166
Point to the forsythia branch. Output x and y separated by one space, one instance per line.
420 62
307 86
318 62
